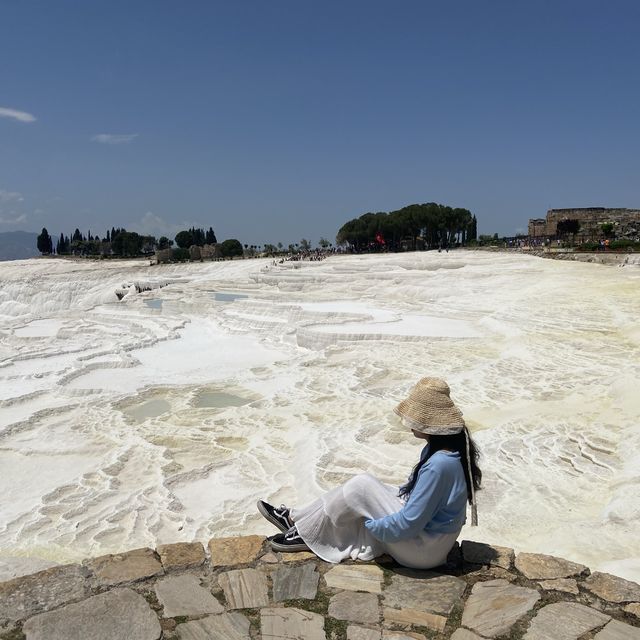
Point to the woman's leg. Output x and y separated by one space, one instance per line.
425 551
333 525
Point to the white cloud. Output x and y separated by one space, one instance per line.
10 208
152 225
20 116
114 138
17 220
10 196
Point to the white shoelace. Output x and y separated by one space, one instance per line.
291 534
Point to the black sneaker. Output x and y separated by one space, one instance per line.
288 542
278 516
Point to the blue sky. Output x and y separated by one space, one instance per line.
273 121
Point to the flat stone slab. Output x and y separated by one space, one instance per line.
633 609
564 621
616 630
244 588
362 633
290 583
355 577
464 634
291 624
117 614
355 607
495 606
538 566
183 596
181 555
26 596
424 592
112 570
297 556
566 585
229 552
411 616
612 588
402 635
492 555
228 626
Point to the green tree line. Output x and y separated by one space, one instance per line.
122 243
433 224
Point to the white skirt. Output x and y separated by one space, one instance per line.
333 526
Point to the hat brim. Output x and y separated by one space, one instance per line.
440 430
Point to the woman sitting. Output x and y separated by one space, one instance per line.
416 525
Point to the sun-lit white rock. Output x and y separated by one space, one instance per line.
163 416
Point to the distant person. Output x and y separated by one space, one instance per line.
416 524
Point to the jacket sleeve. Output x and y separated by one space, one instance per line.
425 499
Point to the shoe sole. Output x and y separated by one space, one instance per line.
288 548
265 514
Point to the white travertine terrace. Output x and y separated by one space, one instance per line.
163 416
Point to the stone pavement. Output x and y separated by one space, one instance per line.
241 590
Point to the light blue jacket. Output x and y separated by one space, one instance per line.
437 503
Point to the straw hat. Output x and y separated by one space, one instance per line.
429 409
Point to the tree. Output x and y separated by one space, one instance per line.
433 223
180 255
44 242
184 239
324 243
63 245
127 243
230 248
472 234
210 237
607 229
198 236
148 244
305 245
164 242
568 226
353 232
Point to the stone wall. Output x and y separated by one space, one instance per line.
206 252
626 222
537 227
241 590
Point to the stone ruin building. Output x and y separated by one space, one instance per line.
206 252
626 223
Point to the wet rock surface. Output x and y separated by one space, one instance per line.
244 591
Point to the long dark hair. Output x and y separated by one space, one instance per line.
458 443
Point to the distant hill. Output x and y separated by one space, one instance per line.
18 245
